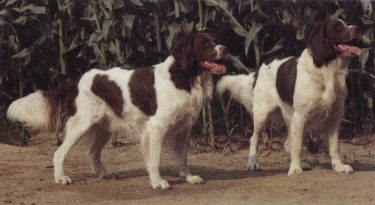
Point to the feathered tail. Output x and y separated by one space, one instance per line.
46 110
240 88
32 110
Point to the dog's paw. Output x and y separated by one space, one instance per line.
162 184
305 166
64 180
253 163
296 170
343 168
194 179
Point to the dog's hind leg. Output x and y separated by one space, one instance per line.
260 121
180 150
99 136
75 129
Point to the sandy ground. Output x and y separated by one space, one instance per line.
26 177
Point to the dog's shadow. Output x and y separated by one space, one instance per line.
213 174
207 174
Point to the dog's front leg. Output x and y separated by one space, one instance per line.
334 152
152 142
296 130
180 149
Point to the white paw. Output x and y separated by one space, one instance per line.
253 163
64 180
296 170
343 168
162 184
194 179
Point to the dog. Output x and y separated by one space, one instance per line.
308 92
159 104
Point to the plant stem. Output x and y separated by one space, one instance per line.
99 28
200 12
204 123
158 37
61 43
211 128
255 39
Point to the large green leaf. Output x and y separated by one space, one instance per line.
10 2
24 53
174 30
33 9
20 20
236 62
106 27
227 13
95 38
279 45
128 22
74 43
5 12
363 58
250 36
337 14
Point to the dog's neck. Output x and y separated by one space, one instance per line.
333 74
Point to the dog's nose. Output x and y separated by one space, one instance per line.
356 30
223 50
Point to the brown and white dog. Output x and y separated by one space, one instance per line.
158 104
309 91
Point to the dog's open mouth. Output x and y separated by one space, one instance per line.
348 50
216 67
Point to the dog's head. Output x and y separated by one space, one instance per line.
197 53
332 38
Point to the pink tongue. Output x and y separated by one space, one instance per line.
214 67
352 49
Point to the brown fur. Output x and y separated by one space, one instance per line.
142 91
110 92
188 52
286 80
61 100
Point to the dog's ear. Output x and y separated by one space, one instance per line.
183 51
318 44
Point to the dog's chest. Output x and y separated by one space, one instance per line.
326 102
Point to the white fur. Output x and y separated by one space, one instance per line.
240 88
32 110
318 104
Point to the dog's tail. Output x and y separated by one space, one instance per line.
240 88
46 110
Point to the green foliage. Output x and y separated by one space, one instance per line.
44 42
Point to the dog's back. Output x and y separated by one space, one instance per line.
240 88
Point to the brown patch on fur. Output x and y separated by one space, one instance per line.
142 90
110 92
61 103
286 80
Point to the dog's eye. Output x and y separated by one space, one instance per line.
338 27
205 43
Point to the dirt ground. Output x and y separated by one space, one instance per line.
26 177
